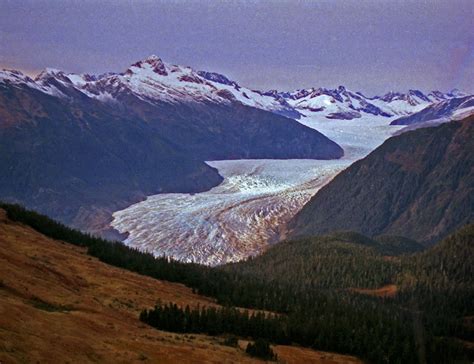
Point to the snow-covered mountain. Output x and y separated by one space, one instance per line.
454 108
341 103
84 146
155 81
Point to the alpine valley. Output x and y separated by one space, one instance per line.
188 163
309 226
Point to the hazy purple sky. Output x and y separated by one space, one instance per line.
371 46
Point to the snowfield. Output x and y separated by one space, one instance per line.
250 208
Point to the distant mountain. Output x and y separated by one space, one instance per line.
341 103
78 147
155 81
440 112
419 185
192 114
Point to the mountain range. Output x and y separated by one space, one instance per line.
153 80
360 273
341 103
79 147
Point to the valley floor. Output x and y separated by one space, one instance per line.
250 209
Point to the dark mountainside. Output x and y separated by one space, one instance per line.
419 185
78 159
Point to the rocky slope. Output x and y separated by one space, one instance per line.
419 185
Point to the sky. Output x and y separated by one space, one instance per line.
369 46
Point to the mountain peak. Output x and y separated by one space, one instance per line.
152 57
48 72
390 96
456 93
13 76
153 62
419 94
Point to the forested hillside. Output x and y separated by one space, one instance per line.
419 185
61 305
322 289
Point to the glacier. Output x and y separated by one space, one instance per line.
249 210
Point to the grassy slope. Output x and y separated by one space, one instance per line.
58 304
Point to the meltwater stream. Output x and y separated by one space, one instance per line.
250 208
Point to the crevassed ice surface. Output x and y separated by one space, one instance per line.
250 208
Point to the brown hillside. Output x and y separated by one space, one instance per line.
59 305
